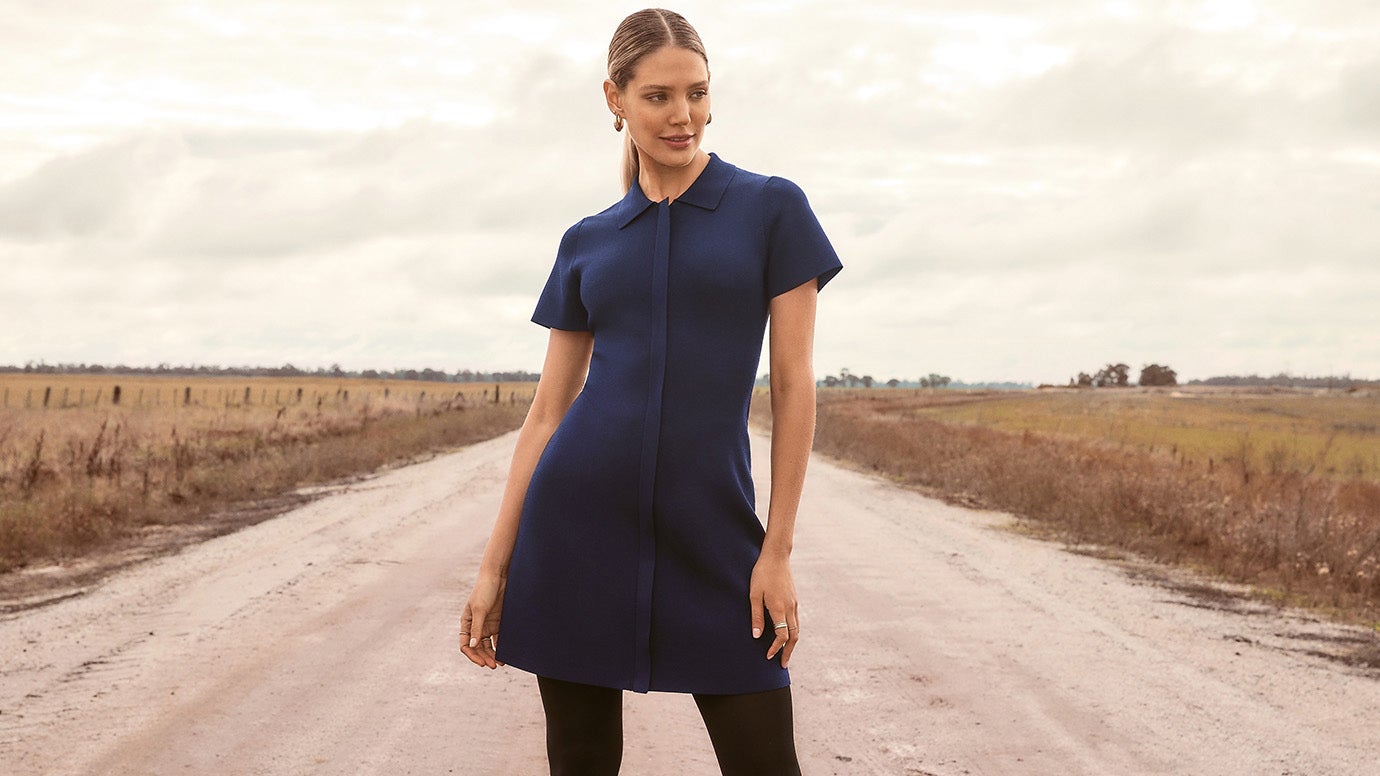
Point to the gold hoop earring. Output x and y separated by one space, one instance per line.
617 123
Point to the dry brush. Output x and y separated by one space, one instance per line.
1298 535
75 479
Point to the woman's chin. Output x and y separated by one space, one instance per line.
675 157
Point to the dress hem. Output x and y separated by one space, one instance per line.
628 685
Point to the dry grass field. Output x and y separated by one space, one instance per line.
1337 434
82 463
1278 490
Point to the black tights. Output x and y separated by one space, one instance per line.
752 733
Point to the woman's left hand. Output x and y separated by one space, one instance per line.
773 588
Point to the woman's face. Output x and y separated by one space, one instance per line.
665 106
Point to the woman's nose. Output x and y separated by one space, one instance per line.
681 114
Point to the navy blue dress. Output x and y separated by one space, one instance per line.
638 531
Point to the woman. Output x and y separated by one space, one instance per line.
627 553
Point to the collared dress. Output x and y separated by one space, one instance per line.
639 530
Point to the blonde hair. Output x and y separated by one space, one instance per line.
637 36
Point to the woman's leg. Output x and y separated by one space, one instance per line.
584 727
753 733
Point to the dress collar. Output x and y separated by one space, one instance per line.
705 192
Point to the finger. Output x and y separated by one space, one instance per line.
481 655
473 654
478 648
493 648
792 638
486 650
776 644
756 601
465 620
779 635
493 643
476 633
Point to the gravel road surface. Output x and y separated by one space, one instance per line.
936 641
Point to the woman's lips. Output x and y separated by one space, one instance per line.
678 141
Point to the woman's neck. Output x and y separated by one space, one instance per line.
660 182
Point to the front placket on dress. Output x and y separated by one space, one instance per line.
651 437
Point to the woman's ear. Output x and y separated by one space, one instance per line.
613 97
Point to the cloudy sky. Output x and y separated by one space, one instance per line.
1019 189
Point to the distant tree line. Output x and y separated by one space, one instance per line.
1283 380
847 379
286 370
1119 376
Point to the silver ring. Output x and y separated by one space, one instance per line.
780 625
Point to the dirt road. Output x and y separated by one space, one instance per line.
934 642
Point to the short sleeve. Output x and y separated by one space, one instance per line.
797 248
559 306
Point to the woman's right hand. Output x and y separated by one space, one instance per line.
479 623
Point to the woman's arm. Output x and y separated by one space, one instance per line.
791 340
562 377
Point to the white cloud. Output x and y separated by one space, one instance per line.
1019 189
